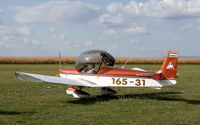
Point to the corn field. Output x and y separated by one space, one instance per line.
72 60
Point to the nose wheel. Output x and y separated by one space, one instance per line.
78 93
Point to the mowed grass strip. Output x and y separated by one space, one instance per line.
72 60
44 103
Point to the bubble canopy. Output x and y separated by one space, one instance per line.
92 60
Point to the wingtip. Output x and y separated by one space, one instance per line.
17 76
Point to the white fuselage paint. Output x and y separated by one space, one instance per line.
115 81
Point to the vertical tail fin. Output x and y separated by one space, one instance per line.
169 67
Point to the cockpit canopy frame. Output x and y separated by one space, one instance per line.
92 60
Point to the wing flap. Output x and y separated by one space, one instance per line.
44 78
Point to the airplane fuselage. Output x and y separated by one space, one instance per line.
116 77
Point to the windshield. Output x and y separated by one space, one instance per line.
90 61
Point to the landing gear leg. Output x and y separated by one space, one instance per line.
107 91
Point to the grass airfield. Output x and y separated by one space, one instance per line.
44 103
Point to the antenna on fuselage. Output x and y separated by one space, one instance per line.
125 63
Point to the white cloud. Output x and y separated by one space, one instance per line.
23 30
88 43
60 36
175 38
186 26
111 21
132 41
190 26
56 12
164 9
110 32
7 30
51 29
118 14
115 7
25 40
9 42
136 30
114 46
35 42
158 49
7 38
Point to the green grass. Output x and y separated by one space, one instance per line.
43 103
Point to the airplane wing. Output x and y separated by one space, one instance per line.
45 78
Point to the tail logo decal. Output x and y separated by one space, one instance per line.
170 65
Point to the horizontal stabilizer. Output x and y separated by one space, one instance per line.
139 69
44 78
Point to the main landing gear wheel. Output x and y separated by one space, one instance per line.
107 91
77 93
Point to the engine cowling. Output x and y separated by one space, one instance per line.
76 93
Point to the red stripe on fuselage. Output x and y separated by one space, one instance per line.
113 71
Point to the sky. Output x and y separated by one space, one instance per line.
125 28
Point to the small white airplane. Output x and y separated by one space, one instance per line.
95 68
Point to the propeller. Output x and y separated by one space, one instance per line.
60 59
60 63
